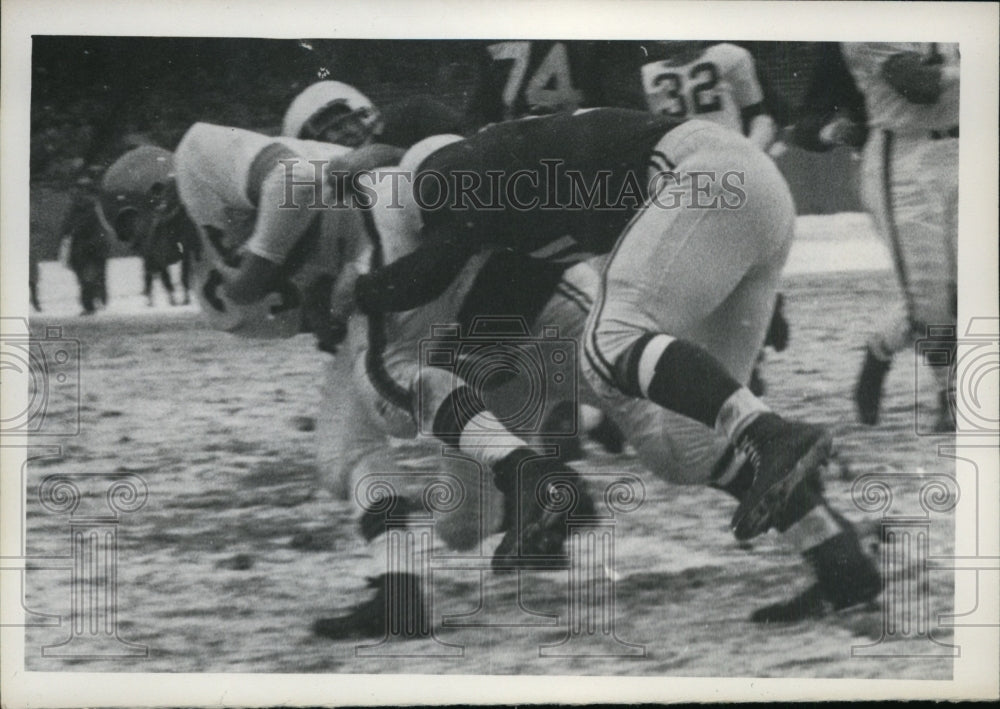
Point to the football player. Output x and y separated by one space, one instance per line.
244 204
519 78
681 79
566 152
832 112
335 112
910 186
709 81
648 336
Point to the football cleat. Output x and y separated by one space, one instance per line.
846 577
546 494
784 455
868 391
396 610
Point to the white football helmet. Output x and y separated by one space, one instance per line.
333 112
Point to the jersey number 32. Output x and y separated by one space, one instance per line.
673 93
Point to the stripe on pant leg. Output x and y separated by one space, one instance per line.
598 362
893 231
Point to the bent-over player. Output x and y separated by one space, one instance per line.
649 336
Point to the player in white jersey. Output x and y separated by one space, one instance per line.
716 83
254 203
910 186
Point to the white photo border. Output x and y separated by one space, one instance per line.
973 25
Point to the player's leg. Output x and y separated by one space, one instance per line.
893 332
168 284
186 277
351 443
671 271
679 450
359 464
928 221
147 281
452 410
910 186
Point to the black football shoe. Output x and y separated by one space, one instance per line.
845 577
785 455
757 385
868 390
397 611
540 496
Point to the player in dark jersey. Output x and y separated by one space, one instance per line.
738 241
563 185
684 301
707 80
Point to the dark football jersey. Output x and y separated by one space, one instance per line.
526 184
558 187
410 120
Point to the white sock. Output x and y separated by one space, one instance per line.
739 409
813 529
651 354
486 440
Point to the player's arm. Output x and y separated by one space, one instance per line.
918 80
287 205
367 157
758 125
415 279
287 198
832 111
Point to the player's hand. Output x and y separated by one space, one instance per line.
319 318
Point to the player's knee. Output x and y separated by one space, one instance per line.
606 346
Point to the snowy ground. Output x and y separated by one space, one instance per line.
238 548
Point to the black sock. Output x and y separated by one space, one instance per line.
689 381
738 485
455 412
